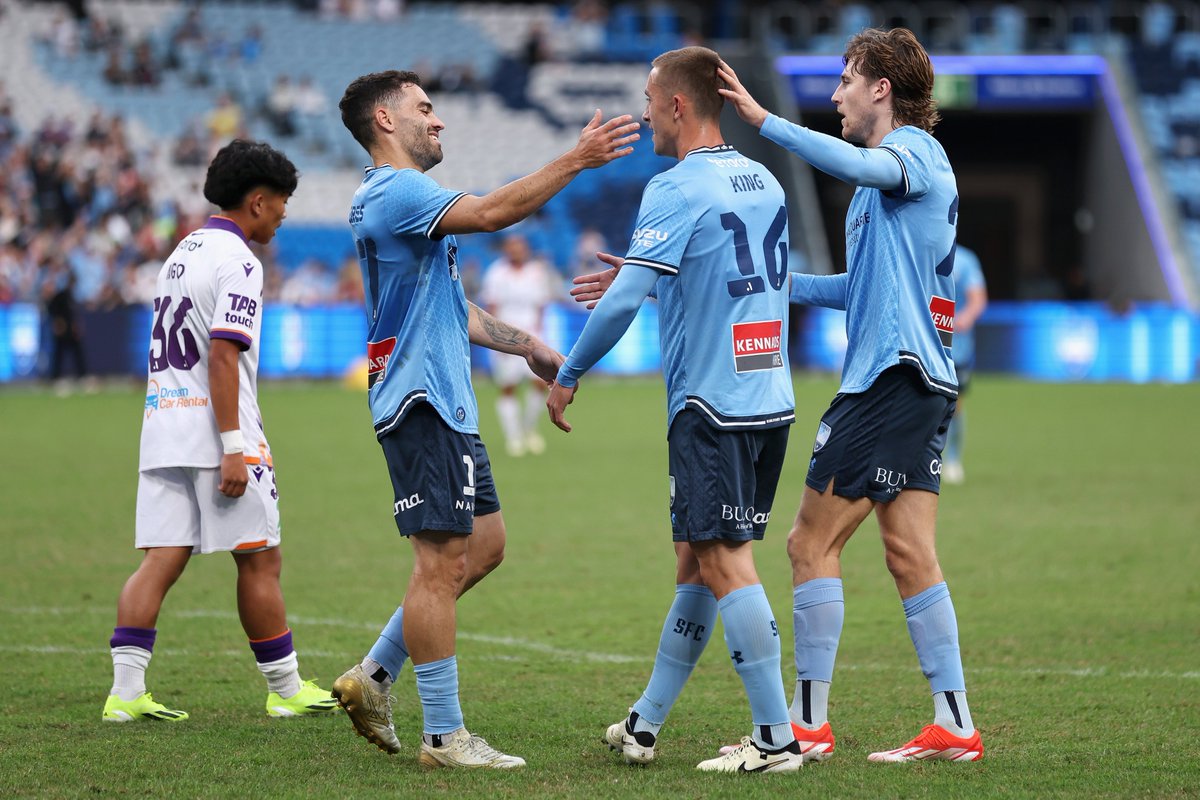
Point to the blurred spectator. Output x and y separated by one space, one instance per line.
349 282
63 35
583 31
458 78
537 47
280 106
250 45
224 122
101 33
189 149
66 333
309 284
309 99
190 28
114 66
145 69
590 242
8 125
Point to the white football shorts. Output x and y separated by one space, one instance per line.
181 507
509 369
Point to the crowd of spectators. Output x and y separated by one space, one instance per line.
77 208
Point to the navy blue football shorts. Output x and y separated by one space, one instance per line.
442 478
878 442
722 481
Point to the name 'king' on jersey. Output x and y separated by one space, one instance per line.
417 344
716 226
209 288
899 260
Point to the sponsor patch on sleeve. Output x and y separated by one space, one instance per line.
757 345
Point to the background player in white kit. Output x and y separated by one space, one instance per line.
207 480
517 287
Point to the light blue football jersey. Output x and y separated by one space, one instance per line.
900 259
968 274
715 226
417 345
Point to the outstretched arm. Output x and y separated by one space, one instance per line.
872 167
486 331
598 144
591 287
603 329
819 290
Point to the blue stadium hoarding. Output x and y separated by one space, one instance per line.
977 82
1048 341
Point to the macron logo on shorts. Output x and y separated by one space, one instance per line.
757 345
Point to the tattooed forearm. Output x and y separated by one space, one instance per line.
494 334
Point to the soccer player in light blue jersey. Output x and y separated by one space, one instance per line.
971 300
711 243
426 419
879 445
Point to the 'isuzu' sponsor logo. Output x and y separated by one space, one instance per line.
941 310
378 354
647 237
757 345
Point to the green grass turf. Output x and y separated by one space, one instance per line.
1072 552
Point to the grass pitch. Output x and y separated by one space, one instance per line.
1072 553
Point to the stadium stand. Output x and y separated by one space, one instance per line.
519 82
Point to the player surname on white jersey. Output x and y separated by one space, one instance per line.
210 288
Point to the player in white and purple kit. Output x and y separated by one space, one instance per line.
711 241
420 328
206 476
879 445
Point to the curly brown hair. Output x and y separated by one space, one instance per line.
898 56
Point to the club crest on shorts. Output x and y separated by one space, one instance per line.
823 431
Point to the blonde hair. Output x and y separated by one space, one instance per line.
692 71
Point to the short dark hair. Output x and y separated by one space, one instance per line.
693 72
365 94
243 165
899 57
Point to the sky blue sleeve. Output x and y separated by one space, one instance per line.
819 290
873 167
416 204
664 226
609 321
914 150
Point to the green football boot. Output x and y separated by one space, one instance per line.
311 699
140 708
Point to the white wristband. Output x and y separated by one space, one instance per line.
231 442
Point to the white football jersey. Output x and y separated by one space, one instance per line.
209 288
517 295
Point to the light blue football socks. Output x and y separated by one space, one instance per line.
818 609
685 633
934 631
753 641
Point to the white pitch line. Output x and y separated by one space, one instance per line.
541 648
